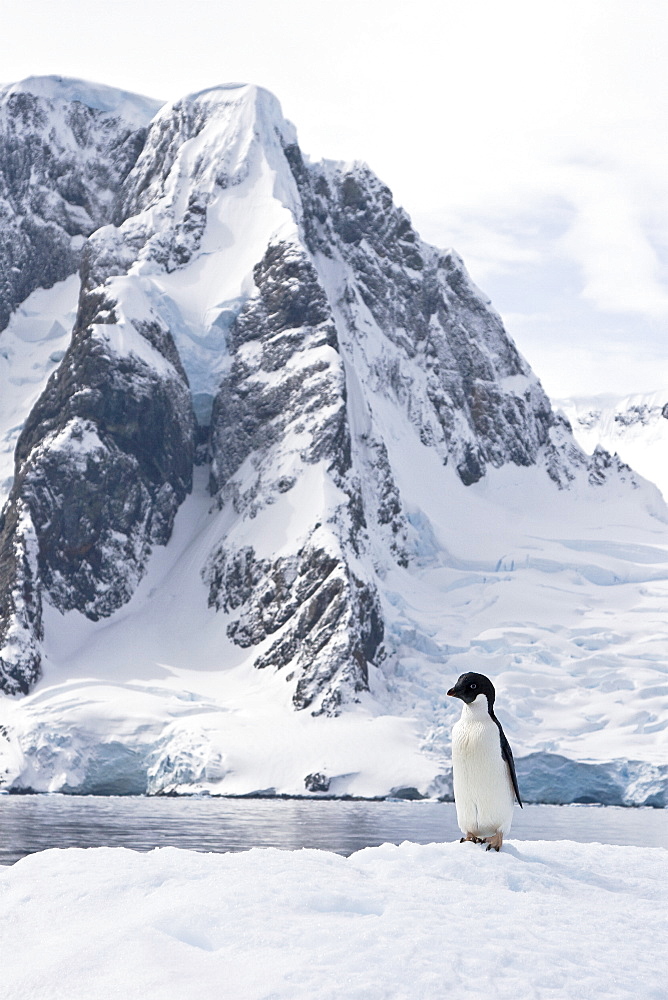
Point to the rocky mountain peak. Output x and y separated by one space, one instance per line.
204 143
65 149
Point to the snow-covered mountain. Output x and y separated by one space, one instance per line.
635 427
286 478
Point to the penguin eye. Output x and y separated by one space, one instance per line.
472 686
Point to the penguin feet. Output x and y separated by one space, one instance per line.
494 842
472 837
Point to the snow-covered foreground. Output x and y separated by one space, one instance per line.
538 920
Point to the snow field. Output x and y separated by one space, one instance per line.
541 919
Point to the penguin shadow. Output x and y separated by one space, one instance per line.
561 873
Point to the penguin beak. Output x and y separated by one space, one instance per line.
452 693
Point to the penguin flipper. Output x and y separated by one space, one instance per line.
507 755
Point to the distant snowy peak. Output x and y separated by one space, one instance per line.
635 427
611 415
132 108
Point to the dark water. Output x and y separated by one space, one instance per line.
30 823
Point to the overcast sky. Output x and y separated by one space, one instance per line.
531 136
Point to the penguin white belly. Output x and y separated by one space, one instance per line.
484 793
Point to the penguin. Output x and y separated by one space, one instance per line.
483 769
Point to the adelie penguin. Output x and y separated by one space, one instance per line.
483 768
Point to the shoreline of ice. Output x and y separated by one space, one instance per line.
544 778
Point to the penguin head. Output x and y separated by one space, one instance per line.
469 686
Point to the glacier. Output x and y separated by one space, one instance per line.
280 475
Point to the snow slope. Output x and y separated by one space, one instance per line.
569 623
390 501
412 922
32 346
635 427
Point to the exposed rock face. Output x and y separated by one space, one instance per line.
283 407
447 358
62 162
20 601
286 372
102 465
301 311
324 624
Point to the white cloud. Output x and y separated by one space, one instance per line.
531 136
621 269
